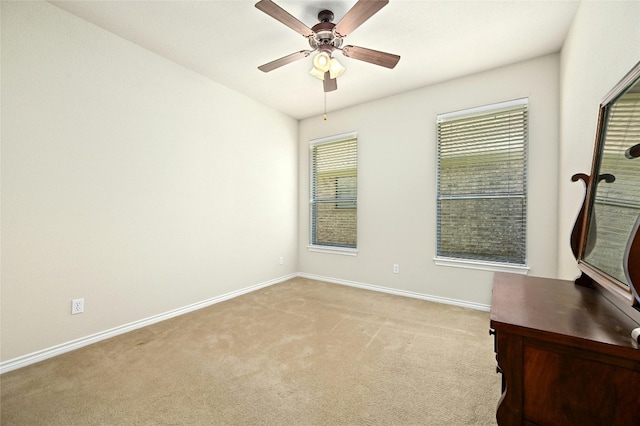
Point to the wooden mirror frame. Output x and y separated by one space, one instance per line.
590 275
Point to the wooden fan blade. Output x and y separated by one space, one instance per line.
383 59
278 13
330 84
284 61
359 13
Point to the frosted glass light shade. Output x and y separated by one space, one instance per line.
322 62
317 74
335 68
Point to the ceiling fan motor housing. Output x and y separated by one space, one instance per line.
323 33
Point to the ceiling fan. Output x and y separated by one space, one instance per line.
325 37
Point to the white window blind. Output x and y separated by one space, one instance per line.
333 203
482 185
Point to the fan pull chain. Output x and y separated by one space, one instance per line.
324 117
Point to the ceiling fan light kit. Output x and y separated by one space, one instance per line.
321 65
325 37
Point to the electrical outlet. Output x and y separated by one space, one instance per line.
396 268
281 260
77 306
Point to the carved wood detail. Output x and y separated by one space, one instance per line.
578 233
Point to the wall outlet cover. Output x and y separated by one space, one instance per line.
77 306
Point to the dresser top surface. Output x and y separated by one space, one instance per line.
559 307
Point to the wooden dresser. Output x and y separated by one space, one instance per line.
565 353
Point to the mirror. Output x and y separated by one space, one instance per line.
612 204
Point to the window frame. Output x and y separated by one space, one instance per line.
325 248
469 263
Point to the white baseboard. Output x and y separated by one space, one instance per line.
456 302
32 358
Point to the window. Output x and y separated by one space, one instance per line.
482 186
333 202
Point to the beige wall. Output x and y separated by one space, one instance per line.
129 181
602 46
397 178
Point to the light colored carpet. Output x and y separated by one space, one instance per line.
301 352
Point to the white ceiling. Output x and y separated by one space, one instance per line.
437 40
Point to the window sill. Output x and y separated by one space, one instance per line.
482 265
334 250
